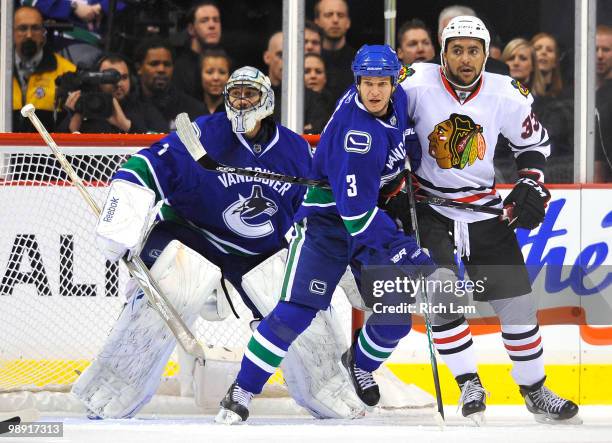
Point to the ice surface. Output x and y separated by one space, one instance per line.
504 424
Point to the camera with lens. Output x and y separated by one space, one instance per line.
93 104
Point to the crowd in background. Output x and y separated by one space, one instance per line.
145 83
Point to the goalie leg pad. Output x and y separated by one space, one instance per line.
312 370
126 373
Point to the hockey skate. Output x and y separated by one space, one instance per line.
473 398
363 381
548 407
234 406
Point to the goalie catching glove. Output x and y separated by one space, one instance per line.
527 202
124 220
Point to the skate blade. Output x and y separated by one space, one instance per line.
478 418
227 417
548 420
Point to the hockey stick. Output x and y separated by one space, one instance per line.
189 138
432 352
186 132
17 417
135 266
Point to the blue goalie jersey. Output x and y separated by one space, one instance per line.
238 215
357 155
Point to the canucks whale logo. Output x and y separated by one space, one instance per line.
250 216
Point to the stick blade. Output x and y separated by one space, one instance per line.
188 136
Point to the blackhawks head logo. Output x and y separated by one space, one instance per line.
456 142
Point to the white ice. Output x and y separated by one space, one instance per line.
504 424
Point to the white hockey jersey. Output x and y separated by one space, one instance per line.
458 139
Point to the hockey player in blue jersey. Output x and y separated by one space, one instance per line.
362 151
210 227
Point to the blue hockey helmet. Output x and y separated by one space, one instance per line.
376 61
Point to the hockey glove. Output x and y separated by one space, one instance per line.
393 198
406 252
527 203
124 219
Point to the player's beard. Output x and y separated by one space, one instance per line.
457 80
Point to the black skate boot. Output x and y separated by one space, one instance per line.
365 385
473 397
548 407
234 406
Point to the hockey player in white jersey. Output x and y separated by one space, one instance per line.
459 110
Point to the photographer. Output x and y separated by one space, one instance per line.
103 103
35 69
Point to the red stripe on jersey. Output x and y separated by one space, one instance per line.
524 347
473 198
452 338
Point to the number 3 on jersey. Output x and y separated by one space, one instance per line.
352 185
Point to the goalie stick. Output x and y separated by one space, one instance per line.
189 138
135 266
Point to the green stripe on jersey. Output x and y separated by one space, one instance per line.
140 167
363 343
293 247
355 225
319 197
261 352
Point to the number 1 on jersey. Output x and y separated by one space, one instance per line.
352 185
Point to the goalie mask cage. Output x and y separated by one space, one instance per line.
59 297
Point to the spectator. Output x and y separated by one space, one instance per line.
163 102
215 68
449 13
312 38
547 56
603 102
273 58
554 107
35 70
496 47
555 114
126 114
415 44
204 29
315 79
332 16
521 60
603 48
80 45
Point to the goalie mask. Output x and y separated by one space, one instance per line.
465 26
249 98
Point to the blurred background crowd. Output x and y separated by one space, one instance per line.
130 66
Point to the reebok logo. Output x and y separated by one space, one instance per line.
397 257
110 212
